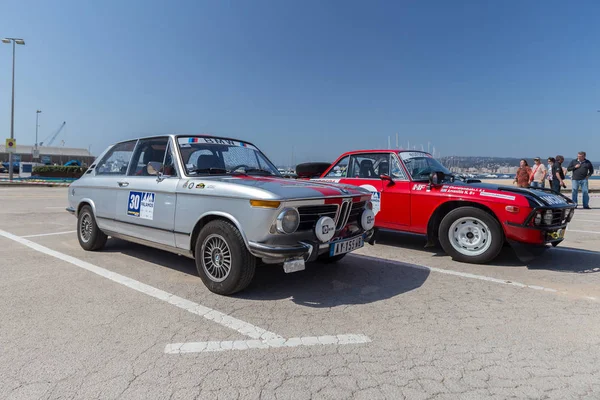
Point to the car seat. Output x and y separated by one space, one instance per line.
366 169
206 161
384 168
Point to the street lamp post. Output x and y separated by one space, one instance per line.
12 108
37 115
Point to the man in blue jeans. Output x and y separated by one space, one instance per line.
582 169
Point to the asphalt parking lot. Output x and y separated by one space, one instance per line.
392 321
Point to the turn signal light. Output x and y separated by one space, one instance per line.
265 203
512 209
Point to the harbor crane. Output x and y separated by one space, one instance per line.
54 135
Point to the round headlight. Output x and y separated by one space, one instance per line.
288 221
538 218
548 217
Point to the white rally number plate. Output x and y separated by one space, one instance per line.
346 246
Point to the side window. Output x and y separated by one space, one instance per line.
149 158
369 166
340 169
397 172
116 161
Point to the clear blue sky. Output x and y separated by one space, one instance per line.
498 78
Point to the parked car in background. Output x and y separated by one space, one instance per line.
219 201
15 167
413 192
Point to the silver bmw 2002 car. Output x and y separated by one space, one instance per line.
219 201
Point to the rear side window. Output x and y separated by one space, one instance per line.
340 169
116 161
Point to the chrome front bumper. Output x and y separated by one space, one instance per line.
307 250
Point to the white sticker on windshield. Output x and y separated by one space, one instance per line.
407 155
214 140
375 197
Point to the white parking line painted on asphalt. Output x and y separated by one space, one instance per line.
201 347
463 274
585 220
580 231
216 316
263 338
48 234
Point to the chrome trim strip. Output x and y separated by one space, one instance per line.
148 243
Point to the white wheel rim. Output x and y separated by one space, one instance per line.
216 258
470 236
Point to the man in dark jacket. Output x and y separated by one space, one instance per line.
582 169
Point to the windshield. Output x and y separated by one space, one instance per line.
420 165
216 156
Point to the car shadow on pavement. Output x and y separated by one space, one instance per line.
567 259
152 255
412 241
353 280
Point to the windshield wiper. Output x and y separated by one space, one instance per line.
253 171
211 171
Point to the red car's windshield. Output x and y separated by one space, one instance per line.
420 165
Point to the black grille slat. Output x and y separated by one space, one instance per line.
343 216
309 215
356 211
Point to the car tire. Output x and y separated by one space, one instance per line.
90 237
223 262
331 260
471 235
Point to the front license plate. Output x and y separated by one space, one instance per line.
346 246
559 234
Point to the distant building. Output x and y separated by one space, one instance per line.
48 155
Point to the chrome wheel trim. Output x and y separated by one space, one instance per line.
216 258
86 228
470 236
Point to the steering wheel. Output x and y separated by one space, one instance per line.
246 167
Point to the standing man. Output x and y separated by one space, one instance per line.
582 169
558 175
538 174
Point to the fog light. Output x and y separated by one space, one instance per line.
548 217
288 221
325 229
367 220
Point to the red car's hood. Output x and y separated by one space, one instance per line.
290 189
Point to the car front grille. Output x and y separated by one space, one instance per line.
356 212
309 215
559 217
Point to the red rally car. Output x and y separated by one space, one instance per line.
413 192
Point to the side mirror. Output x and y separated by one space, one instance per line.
436 178
387 178
154 169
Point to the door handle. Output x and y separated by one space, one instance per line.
123 184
